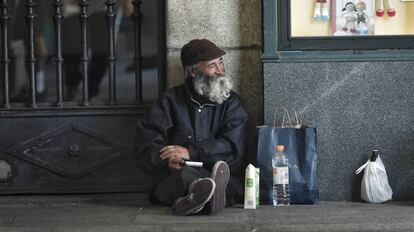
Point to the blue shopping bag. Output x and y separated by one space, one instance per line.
300 148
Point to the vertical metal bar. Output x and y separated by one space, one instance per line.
83 18
110 22
5 56
137 16
161 21
57 17
30 20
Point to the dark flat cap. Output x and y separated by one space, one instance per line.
199 50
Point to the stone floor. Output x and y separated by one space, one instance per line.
132 212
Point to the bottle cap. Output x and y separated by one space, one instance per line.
280 147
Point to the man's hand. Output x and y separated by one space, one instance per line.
176 156
174 150
175 163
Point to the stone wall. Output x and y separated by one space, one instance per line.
234 25
355 106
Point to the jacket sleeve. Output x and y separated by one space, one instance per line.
228 144
151 136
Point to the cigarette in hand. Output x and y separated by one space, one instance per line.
193 164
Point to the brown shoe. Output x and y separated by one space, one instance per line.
200 192
221 175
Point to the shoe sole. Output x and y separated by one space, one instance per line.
187 205
221 176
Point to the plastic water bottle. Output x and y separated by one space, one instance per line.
280 164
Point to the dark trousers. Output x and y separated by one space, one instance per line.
71 48
173 186
97 69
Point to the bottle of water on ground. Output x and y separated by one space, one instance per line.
280 164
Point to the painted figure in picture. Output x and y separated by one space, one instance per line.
349 17
362 18
380 8
321 12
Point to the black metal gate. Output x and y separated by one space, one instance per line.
67 142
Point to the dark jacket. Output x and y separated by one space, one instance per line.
209 130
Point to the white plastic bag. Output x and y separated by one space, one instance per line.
374 186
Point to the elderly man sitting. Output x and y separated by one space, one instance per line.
201 120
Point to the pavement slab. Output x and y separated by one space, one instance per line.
133 212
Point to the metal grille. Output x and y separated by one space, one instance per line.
58 19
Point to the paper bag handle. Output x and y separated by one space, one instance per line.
286 113
283 119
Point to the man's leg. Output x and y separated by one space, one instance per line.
98 46
189 190
221 176
167 191
223 194
200 192
72 76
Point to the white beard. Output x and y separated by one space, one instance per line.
215 88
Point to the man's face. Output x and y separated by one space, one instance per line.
211 81
212 68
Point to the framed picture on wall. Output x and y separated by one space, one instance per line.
353 17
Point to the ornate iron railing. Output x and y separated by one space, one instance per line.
58 20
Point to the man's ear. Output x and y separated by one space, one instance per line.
190 71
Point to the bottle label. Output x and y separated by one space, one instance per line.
249 182
281 175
